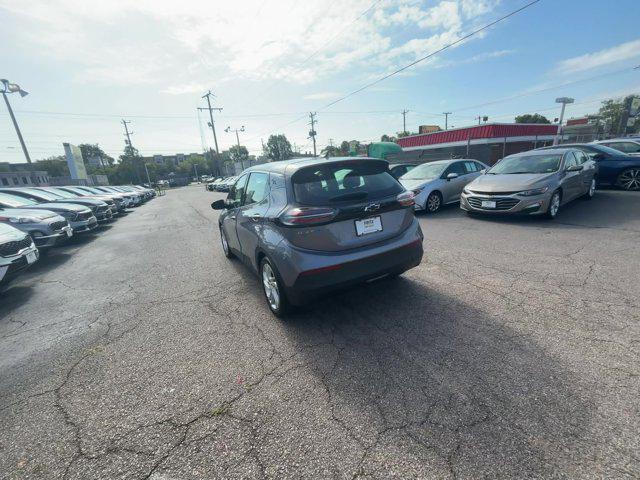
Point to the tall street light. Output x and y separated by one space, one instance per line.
241 129
8 87
563 101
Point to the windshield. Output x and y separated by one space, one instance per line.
41 193
61 193
426 171
527 164
13 201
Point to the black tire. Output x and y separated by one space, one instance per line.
225 245
554 205
433 203
629 179
592 190
268 273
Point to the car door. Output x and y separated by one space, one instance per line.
571 181
251 215
234 202
588 170
452 188
473 171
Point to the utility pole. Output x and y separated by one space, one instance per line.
404 121
446 120
312 132
229 129
195 167
11 88
128 134
208 96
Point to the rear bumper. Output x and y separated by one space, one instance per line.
339 271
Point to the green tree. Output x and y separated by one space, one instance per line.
55 166
239 154
612 113
532 118
94 151
330 151
387 138
278 148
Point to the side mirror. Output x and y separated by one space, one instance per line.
452 175
219 205
574 168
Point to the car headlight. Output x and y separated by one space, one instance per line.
23 220
416 191
535 191
466 190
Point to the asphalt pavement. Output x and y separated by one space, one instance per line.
510 352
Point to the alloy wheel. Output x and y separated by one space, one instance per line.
433 202
270 285
630 179
554 205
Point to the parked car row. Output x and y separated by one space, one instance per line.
221 184
33 219
309 226
536 182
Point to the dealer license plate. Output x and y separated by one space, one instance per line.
31 257
488 204
368 225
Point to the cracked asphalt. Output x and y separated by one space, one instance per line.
510 352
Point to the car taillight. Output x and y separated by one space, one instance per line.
307 215
406 199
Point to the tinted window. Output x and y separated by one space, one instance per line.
457 167
581 156
626 147
236 192
472 167
336 182
256 190
570 160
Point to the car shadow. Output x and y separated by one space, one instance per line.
13 296
608 209
425 381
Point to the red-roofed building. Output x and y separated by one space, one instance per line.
488 142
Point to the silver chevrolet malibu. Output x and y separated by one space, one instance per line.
308 226
538 182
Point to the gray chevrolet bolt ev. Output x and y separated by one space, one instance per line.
310 226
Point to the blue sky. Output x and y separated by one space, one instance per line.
88 64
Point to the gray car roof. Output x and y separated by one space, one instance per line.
289 167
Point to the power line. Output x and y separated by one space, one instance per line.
449 45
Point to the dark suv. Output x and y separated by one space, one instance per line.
310 226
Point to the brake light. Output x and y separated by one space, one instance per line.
307 215
406 199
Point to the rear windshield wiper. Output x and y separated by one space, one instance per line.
349 196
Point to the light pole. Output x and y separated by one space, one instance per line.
563 101
241 129
8 87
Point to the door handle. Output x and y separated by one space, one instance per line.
255 217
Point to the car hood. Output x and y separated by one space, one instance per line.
413 184
55 206
10 234
27 212
509 182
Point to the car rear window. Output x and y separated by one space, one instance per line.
334 183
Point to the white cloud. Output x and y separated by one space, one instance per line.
321 96
181 46
589 61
